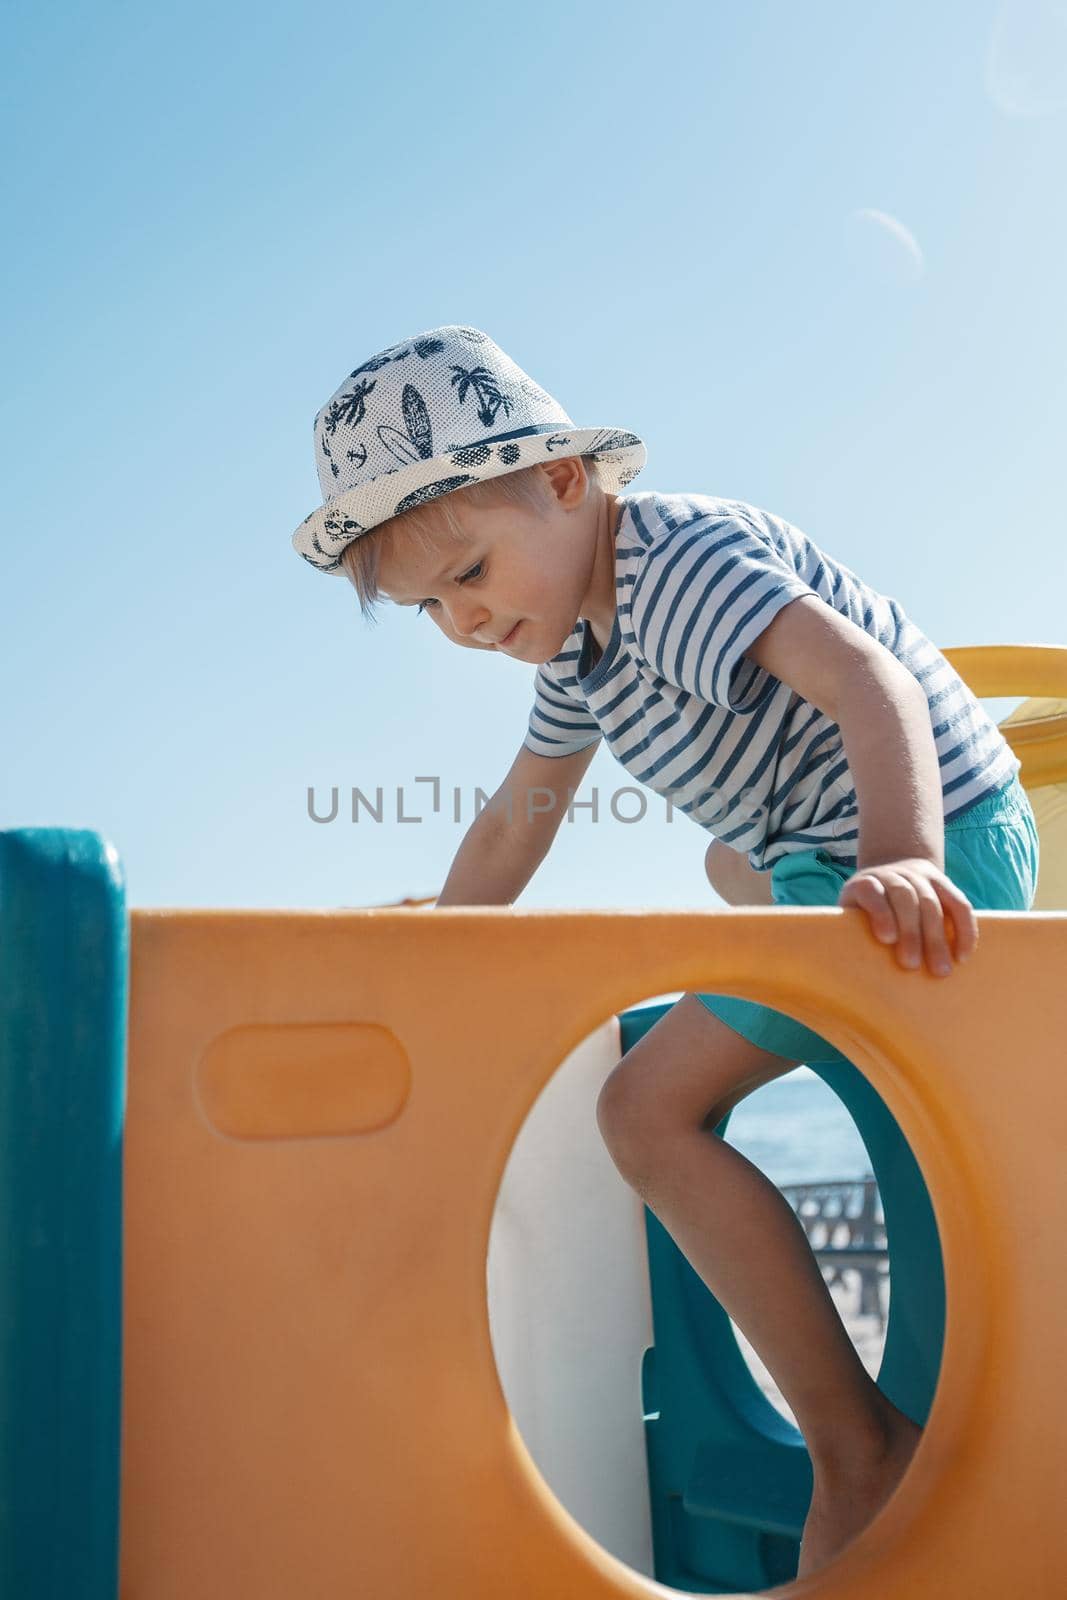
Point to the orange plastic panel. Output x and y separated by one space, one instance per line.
311 1403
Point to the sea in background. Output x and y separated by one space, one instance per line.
796 1130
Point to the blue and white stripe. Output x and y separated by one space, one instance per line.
686 712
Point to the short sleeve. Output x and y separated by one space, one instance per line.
560 722
701 596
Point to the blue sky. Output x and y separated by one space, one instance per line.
811 253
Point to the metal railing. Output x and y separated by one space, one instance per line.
844 1224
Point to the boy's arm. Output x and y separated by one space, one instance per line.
884 719
508 840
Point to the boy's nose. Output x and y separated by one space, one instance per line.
469 620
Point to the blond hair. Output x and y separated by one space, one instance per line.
436 524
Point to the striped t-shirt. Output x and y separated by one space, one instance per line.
683 709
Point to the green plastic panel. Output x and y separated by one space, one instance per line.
63 986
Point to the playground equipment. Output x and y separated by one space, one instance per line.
336 1189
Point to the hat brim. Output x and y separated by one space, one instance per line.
323 535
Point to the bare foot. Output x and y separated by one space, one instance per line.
844 1500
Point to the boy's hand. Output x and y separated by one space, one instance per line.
913 905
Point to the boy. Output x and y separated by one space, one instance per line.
787 708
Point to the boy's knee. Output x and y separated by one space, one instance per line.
722 866
734 879
624 1115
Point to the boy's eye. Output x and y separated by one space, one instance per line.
472 572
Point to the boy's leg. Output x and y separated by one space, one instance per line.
733 879
657 1112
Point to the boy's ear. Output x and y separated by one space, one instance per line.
568 478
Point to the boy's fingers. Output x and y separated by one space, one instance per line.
870 896
961 913
935 939
924 916
905 903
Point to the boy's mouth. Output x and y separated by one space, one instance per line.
508 637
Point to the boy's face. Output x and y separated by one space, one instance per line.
522 577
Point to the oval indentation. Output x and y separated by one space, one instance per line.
303 1080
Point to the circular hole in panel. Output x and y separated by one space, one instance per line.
645 1410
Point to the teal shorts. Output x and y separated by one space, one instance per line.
991 853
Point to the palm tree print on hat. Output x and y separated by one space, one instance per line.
431 491
417 443
490 399
349 408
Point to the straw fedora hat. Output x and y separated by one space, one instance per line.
430 415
